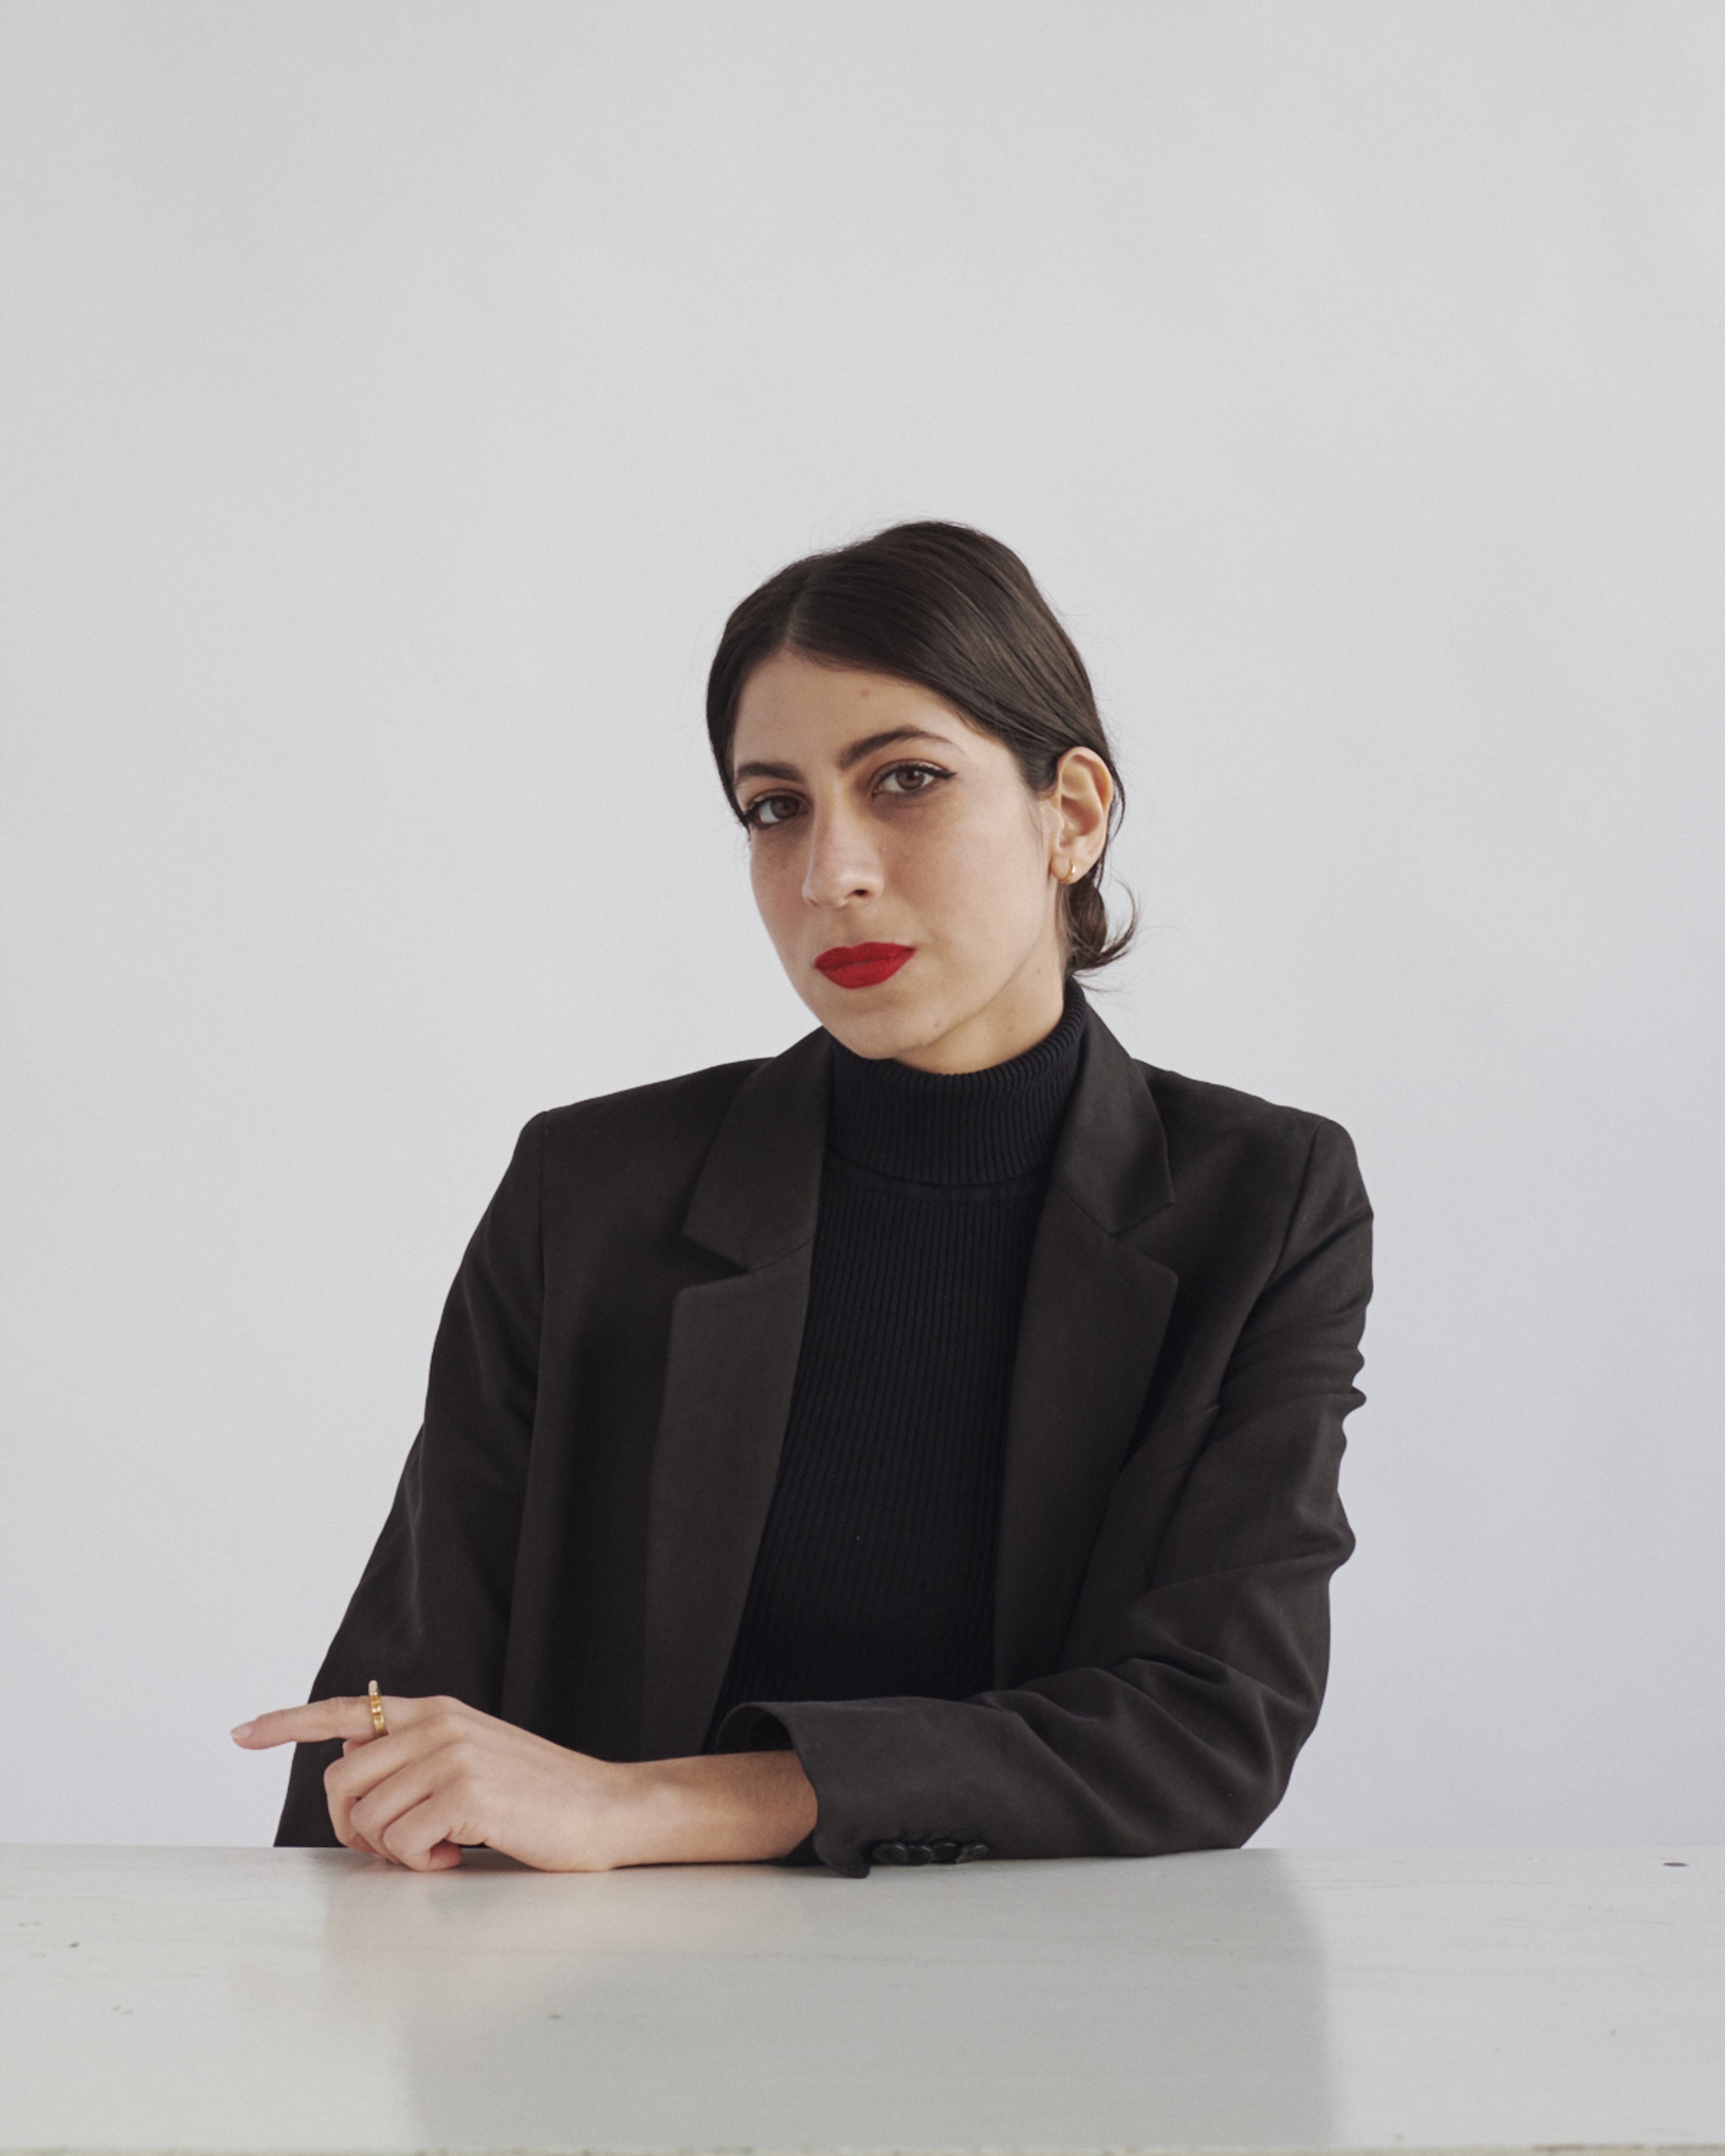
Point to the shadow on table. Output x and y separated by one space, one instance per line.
1179 2001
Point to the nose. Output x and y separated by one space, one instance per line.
842 868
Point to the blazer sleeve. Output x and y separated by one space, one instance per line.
431 1613
1177 1726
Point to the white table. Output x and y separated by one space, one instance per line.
242 2000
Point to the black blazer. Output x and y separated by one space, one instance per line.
576 1525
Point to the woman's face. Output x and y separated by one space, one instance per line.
907 875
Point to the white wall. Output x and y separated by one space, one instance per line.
395 399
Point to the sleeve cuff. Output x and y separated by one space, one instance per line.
885 1783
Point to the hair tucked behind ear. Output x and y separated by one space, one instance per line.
959 614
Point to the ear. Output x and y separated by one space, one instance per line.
1083 794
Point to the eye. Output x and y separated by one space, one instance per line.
768 809
910 778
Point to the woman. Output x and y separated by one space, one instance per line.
917 1446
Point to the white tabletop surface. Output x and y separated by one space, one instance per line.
243 2000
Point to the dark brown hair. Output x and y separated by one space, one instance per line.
959 614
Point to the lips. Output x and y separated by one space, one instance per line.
862 965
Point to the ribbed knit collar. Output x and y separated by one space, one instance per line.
976 1127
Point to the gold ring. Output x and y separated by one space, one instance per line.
380 1727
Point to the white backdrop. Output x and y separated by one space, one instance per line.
395 398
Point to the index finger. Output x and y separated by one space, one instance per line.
316 1724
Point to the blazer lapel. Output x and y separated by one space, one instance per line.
1095 1310
732 1363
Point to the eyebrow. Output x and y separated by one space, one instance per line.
848 757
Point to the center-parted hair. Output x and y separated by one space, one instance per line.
958 613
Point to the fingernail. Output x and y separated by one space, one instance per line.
244 1729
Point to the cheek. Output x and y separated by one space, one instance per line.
776 884
986 872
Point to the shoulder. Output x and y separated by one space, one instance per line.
697 1098
1207 1113
618 1156
659 1129
1215 1131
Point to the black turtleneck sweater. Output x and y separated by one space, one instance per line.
875 1574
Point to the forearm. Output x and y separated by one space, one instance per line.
741 1807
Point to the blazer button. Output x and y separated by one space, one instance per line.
890 1853
971 1853
918 1853
945 1852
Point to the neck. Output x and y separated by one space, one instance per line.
973 1126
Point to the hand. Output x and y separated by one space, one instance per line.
447 1774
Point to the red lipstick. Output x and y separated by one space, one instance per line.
862 965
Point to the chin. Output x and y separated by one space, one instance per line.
871 1023
876 1036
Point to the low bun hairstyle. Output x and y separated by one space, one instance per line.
959 614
